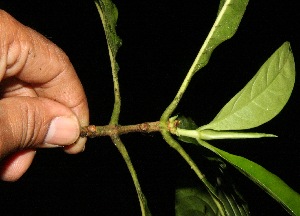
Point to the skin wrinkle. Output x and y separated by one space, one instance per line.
13 51
3 59
3 46
12 87
34 123
15 58
55 86
8 128
58 57
34 74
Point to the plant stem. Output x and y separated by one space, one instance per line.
143 202
92 131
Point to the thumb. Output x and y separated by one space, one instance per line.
34 122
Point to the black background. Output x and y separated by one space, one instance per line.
160 42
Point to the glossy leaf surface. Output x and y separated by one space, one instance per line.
263 97
269 182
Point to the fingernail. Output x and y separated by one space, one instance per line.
62 131
47 145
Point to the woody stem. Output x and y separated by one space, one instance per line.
92 131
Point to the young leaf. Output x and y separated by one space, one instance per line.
229 17
213 135
188 124
263 97
269 182
189 136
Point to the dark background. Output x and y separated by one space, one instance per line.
160 42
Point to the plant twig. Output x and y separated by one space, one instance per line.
142 199
92 131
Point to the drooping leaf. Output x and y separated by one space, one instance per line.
229 17
196 200
269 182
262 98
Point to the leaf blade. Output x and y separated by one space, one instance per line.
269 182
263 97
213 135
109 16
229 16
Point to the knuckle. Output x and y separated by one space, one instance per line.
31 125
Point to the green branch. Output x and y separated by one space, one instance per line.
142 199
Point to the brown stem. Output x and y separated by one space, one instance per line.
92 131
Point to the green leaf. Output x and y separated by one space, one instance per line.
187 123
269 182
222 2
212 135
196 200
263 97
229 17
189 136
109 16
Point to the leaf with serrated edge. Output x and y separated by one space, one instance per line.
262 98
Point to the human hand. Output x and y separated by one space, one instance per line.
43 103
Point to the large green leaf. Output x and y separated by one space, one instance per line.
229 17
262 98
269 182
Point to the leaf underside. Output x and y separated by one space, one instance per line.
262 98
196 200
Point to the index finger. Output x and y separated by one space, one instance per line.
33 59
